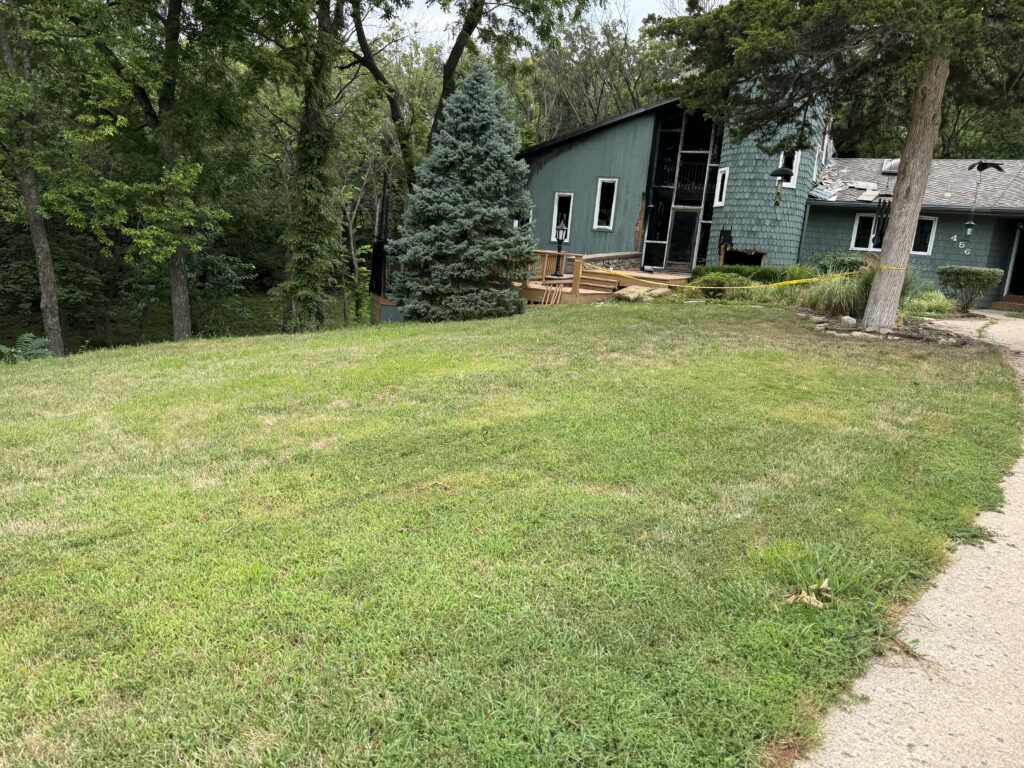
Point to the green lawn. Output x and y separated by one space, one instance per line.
563 539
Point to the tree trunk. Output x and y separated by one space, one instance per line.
474 15
52 325
29 182
915 164
181 308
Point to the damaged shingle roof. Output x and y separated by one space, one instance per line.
950 184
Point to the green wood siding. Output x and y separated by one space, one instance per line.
829 229
620 152
750 211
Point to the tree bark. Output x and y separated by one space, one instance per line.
29 183
368 61
908 195
474 15
48 286
181 308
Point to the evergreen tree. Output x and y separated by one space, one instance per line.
460 247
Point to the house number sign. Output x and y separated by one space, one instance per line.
962 243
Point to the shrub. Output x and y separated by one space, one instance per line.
783 295
928 304
968 284
27 347
722 285
760 274
799 272
841 296
842 261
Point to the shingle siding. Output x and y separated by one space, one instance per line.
750 212
830 230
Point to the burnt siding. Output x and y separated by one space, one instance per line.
750 211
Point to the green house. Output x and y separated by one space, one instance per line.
661 189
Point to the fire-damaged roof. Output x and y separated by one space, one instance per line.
951 184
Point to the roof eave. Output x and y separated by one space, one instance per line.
588 129
940 208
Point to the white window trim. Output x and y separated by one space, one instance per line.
721 187
791 184
856 223
554 216
597 203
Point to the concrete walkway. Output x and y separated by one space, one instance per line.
960 704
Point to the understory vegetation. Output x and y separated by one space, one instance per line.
842 283
474 544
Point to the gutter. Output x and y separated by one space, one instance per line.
1005 212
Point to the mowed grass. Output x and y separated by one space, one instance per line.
562 539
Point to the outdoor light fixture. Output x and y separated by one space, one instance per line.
980 166
782 174
561 233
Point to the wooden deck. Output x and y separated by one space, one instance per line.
586 284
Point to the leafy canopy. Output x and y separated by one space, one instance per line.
769 68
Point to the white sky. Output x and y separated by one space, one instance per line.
433 22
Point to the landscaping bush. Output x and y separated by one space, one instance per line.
928 304
842 261
841 296
27 347
760 274
722 285
798 272
754 274
968 284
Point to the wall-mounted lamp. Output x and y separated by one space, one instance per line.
782 174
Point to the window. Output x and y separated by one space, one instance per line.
604 207
791 160
721 186
562 213
864 234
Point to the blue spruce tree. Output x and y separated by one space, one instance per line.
459 247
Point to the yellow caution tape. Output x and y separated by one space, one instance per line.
801 281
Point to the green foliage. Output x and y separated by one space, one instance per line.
312 236
842 261
968 284
739 60
765 274
722 285
840 296
26 347
459 248
928 304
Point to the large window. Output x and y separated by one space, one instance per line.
604 207
721 187
864 226
791 160
562 214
